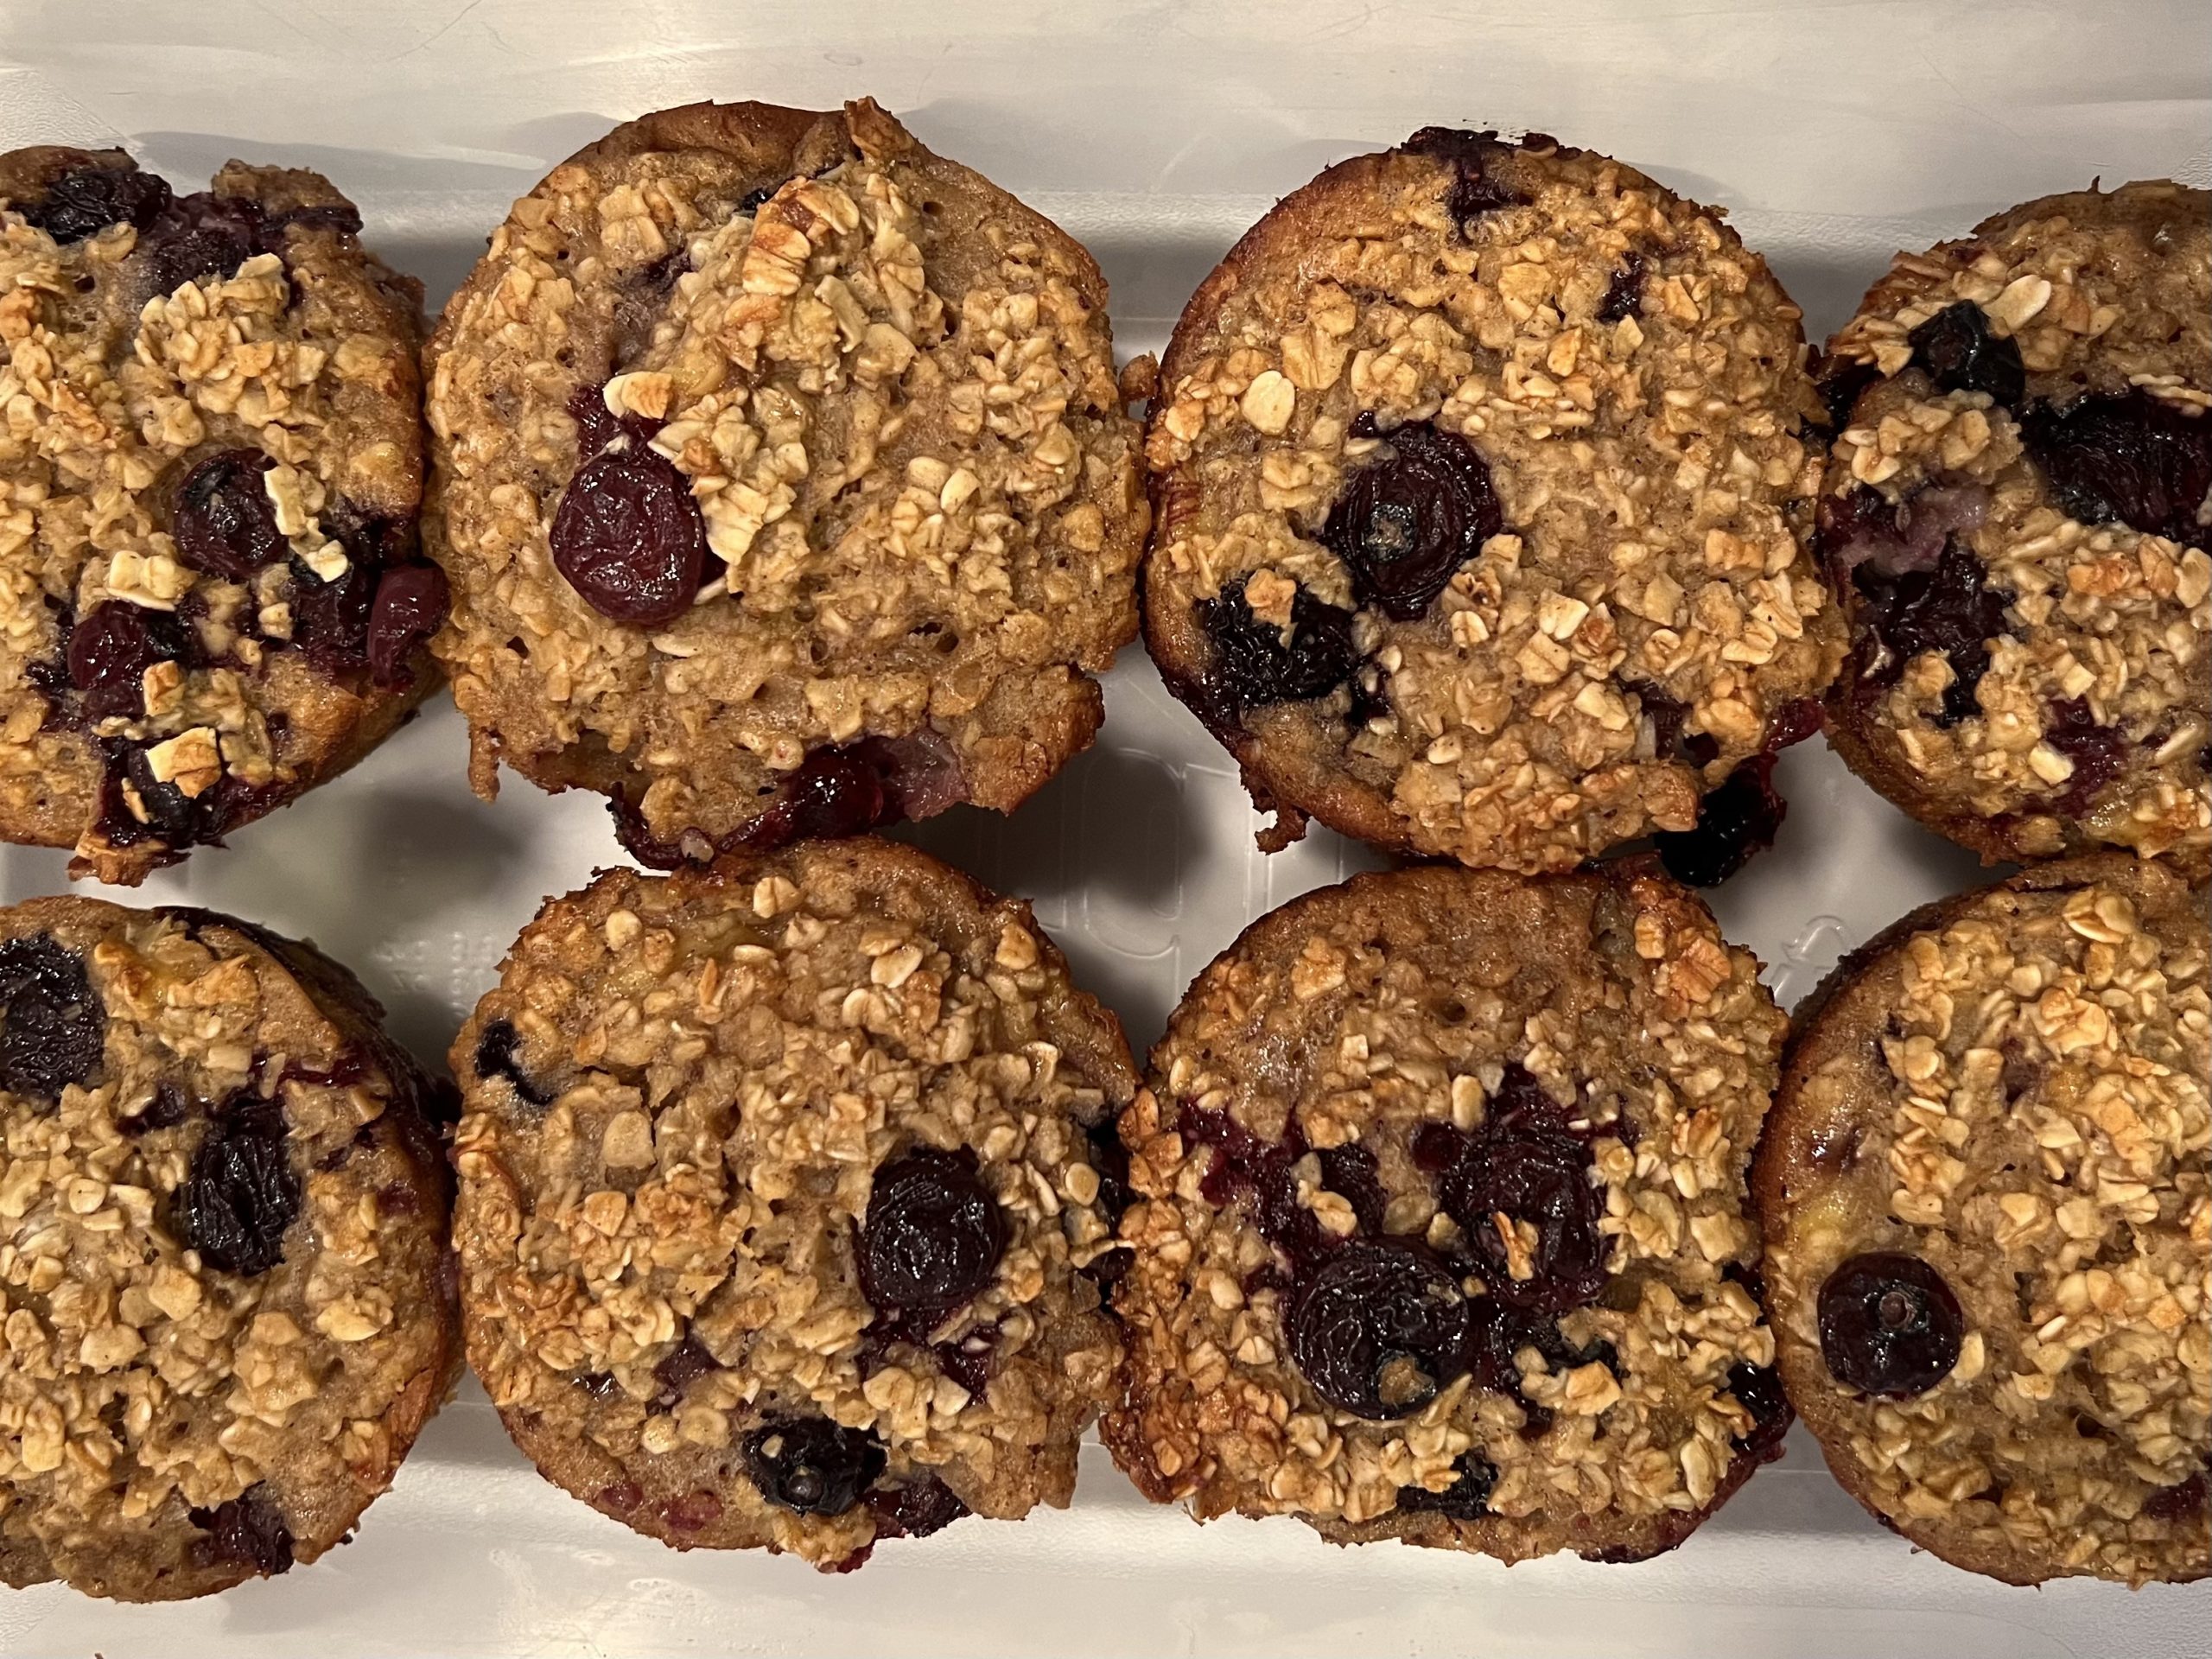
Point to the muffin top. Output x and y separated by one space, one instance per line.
222 1247
780 464
1439 1227
209 483
2016 518
1984 1194
778 1193
1479 478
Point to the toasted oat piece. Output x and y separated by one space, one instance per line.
2016 518
785 1188
1984 1193
1439 1227
210 596
783 482
223 1206
1479 482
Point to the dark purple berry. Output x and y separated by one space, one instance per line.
1624 293
112 648
1409 520
923 1506
331 620
208 236
1524 1164
168 1108
1474 192
1379 1329
2130 457
679 1367
628 538
2179 1503
969 1360
1253 667
224 521
1349 1172
1241 1165
242 1192
1951 610
811 1465
495 1058
2098 753
409 607
753 201
1862 527
1735 821
1758 1388
1466 1498
932 1235
53 1024
833 793
1958 353
1889 1326
248 1530
1840 385
80 204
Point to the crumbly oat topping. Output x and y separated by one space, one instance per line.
677 1103
1357 1017
891 391
142 1388
1634 379
2100 293
2015 1091
113 389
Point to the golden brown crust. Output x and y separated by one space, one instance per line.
1517 722
1364 1015
306 353
677 1103
890 387
2062 1074
147 1386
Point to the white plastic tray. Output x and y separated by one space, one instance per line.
1833 132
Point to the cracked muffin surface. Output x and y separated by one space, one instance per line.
784 480
2016 517
1984 1194
1480 477
786 1188
1439 1225
229 1307
210 475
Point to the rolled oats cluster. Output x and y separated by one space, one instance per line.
1987 1225
228 1306
1481 476
783 482
1440 1228
210 464
2017 514
787 1186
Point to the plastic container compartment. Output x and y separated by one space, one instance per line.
1835 133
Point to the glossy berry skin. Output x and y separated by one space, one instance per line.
1889 1326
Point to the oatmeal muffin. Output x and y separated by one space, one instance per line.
1984 1193
1439 1225
2016 518
784 482
1479 482
210 472
229 1304
787 1185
